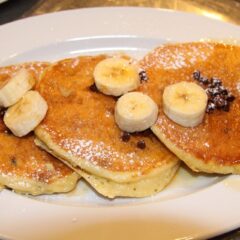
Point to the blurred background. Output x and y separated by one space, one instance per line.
223 10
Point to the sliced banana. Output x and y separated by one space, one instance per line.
185 103
135 112
116 76
26 114
13 89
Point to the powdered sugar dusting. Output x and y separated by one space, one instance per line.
93 152
176 57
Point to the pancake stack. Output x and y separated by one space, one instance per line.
214 145
82 130
23 166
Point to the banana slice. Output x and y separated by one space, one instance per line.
135 112
185 103
26 114
13 89
116 76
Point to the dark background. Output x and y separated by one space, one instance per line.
14 9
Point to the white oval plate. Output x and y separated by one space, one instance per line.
193 206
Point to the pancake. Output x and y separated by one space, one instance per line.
214 145
80 130
24 167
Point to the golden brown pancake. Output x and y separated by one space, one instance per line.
214 145
80 130
24 167
36 69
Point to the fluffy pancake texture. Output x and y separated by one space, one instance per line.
80 130
24 167
214 145
141 188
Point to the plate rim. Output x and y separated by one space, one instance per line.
219 189
120 8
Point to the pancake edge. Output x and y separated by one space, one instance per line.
142 188
29 186
76 162
194 163
111 189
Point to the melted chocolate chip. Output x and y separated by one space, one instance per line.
125 136
14 161
93 88
143 76
141 144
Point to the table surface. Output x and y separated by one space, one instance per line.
224 10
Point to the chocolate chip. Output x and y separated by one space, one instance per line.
226 107
211 86
196 75
204 80
219 102
210 107
222 90
218 95
2 111
209 92
219 90
93 88
146 133
216 91
143 76
230 97
141 144
216 81
125 136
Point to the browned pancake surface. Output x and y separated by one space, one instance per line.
81 121
20 157
218 137
36 69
